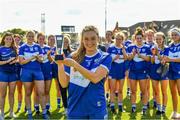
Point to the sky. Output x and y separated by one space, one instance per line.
26 14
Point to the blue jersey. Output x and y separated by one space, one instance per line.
45 49
127 42
46 65
114 51
27 51
53 51
137 63
118 66
5 54
86 98
156 65
173 52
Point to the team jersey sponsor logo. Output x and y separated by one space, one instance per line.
77 79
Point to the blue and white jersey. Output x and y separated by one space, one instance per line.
137 63
53 51
7 53
173 52
156 65
150 45
85 97
161 52
45 49
114 51
127 42
27 51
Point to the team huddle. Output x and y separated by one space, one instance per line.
93 75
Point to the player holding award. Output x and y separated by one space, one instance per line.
84 74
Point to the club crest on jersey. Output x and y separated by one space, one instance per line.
26 49
143 50
113 51
36 48
31 49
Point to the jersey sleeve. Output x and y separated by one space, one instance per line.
166 51
109 50
106 63
40 51
67 70
21 51
129 50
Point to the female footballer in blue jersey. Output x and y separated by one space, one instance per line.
18 42
84 74
46 67
8 58
157 78
149 40
117 72
173 58
51 43
138 56
127 42
30 57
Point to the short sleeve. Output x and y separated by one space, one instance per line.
166 51
106 63
21 52
129 50
109 50
0 54
67 70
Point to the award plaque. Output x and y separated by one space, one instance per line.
59 41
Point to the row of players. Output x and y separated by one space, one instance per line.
141 60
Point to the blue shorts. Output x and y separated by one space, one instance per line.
173 75
29 75
47 71
18 75
54 70
7 77
153 73
137 75
117 71
127 65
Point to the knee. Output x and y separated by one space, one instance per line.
11 93
3 94
46 92
28 93
41 92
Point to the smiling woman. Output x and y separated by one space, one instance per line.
85 73
8 58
